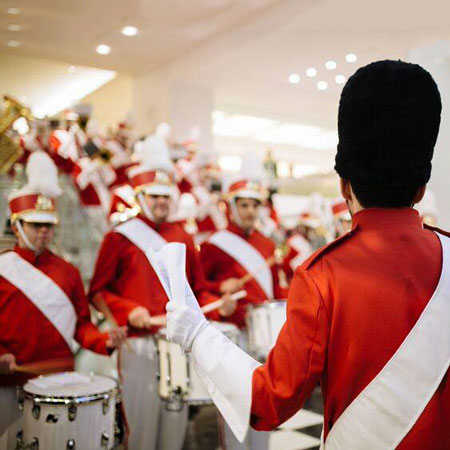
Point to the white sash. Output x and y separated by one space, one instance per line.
42 291
386 410
302 247
247 256
148 241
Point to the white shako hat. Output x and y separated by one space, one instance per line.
35 202
154 174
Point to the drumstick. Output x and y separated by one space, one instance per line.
47 366
162 320
101 305
218 303
248 276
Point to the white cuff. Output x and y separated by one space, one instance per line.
227 373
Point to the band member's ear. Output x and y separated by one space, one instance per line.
346 189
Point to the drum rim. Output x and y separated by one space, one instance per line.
270 304
68 399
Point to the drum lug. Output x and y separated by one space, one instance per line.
175 402
72 411
70 444
34 444
105 404
36 410
20 397
105 440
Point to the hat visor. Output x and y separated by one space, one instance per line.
246 193
157 189
38 217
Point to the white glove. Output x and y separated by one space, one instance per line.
185 321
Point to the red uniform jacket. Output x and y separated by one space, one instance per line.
219 266
350 306
28 334
125 278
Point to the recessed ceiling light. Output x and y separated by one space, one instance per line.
330 65
13 27
322 85
311 72
130 31
340 79
13 43
294 78
351 57
13 10
72 69
103 49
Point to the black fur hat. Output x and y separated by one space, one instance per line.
388 122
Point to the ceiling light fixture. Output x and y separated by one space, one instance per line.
129 31
322 85
12 43
13 10
330 65
13 27
351 57
294 78
340 79
311 72
103 49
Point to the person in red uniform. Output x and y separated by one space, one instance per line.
240 257
129 283
368 315
42 301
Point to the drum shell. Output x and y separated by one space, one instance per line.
264 322
177 370
93 426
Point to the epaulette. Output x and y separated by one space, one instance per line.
437 230
326 249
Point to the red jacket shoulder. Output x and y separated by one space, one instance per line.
317 255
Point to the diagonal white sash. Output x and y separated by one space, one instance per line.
42 291
386 410
247 256
148 241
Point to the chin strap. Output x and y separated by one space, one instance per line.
24 237
234 213
144 207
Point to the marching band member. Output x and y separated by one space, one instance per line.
342 217
368 315
130 284
228 256
240 257
43 306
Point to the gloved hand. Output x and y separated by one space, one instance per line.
185 321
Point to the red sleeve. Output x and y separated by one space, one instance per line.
86 333
106 271
208 260
197 279
296 363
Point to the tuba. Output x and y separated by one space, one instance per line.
10 150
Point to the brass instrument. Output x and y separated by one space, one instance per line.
10 150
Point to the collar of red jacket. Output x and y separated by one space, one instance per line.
30 256
236 229
379 217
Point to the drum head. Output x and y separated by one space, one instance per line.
69 384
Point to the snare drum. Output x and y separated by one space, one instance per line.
264 322
177 378
69 410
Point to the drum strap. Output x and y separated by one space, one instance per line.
386 410
148 241
247 256
42 291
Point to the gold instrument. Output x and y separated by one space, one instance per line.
10 150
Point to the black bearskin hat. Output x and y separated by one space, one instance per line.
388 122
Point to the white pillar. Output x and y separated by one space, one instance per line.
436 59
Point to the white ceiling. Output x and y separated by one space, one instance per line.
243 49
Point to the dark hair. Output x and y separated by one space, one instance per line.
388 122
383 196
